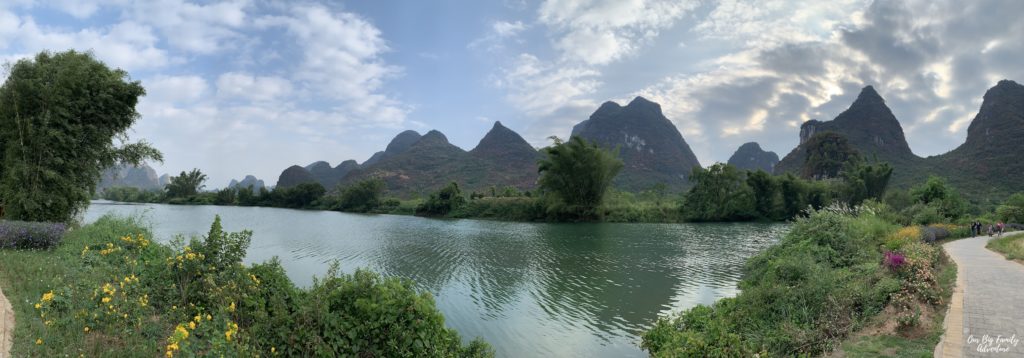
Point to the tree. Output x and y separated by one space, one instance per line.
719 193
828 154
186 185
765 190
225 196
578 173
866 181
936 193
442 202
362 196
60 116
245 196
300 196
794 195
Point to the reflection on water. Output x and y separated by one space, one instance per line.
528 289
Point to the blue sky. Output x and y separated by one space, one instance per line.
251 87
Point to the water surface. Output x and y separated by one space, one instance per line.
529 289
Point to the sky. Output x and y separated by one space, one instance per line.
254 86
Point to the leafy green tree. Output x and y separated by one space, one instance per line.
866 181
186 185
225 196
827 155
578 173
946 200
765 191
299 196
246 197
442 202
794 195
63 119
719 193
362 196
1012 211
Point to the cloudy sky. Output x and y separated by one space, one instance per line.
251 87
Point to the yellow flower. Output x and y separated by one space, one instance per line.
197 318
231 308
181 332
39 341
192 325
170 354
273 349
48 323
38 306
47 297
106 299
254 279
227 335
86 329
208 317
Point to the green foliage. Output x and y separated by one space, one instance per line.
1012 211
828 155
719 193
866 181
132 195
804 295
442 202
225 196
942 197
299 196
186 185
199 299
1011 246
362 196
577 173
60 115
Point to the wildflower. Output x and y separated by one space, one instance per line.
893 260
208 317
86 329
197 318
38 306
109 289
39 341
273 349
181 332
106 299
231 308
254 279
192 325
47 297
48 323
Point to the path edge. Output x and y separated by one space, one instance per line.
6 326
953 345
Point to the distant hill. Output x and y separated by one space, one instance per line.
512 161
399 144
751 157
989 162
142 177
294 175
502 158
652 149
869 126
248 182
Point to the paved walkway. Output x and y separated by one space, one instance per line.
6 326
986 313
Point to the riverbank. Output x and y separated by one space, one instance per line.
107 290
839 273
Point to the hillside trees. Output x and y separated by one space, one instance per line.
577 174
186 185
63 119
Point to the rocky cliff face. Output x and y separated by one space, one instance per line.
652 149
868 125
751 157
989 163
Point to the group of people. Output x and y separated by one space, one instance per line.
997 229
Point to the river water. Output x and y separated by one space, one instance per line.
528 289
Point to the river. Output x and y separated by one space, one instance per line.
528 289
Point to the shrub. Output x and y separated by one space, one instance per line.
442 202
361 197
30 235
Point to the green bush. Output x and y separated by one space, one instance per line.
442 202
199 299
361 197
800 297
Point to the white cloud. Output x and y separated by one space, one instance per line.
598 32
197 28
126 45
254 88
507 29
540 89
341 59
176 89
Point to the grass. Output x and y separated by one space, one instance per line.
1011 246
26 275
920 344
